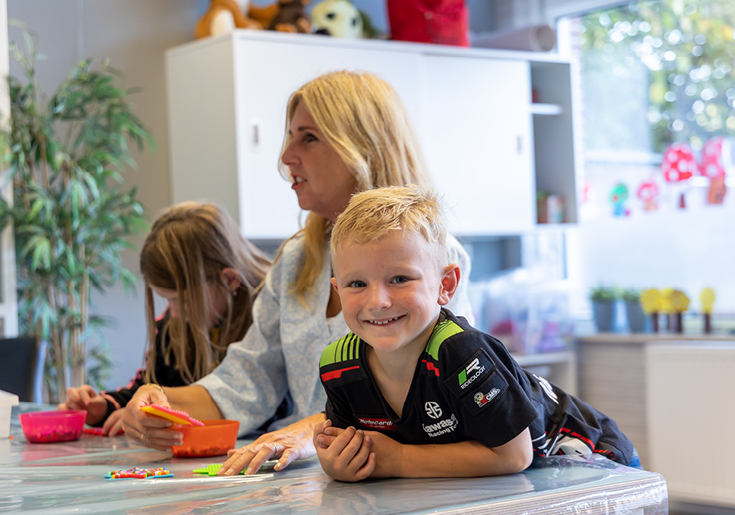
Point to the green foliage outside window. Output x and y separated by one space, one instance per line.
687 49
71 213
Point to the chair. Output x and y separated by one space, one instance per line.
21 367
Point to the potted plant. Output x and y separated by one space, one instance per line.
634 311
70 211
603 307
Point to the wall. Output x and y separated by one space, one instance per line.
134 34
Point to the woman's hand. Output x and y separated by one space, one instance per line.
293 442
146 429
86 398
345 457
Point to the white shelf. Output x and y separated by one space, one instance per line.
545 109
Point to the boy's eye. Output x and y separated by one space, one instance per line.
400 279
356 284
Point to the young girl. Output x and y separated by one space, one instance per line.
197 260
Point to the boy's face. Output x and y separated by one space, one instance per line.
391 289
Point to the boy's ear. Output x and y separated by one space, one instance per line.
334 284
449 283
231 278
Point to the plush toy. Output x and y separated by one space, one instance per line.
223 17
291 17
338 18
263 14
618 198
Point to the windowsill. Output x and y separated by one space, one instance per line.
622 157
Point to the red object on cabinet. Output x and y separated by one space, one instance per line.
443 22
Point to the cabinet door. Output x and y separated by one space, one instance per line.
477 132
267 73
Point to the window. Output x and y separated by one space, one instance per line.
654 73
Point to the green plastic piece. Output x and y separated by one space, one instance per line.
211 469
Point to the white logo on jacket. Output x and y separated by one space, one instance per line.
433 409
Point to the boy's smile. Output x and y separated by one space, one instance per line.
391 290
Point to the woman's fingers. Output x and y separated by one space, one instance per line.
146 429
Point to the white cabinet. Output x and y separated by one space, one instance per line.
476 135
471 107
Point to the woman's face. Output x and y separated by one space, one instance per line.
321 180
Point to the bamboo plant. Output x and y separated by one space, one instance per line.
71 212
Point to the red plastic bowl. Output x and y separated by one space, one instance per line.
53 426
214 439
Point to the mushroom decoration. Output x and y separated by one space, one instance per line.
648 193
678 166
716 164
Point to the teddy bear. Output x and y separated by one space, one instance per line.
223 17
338 18
291 17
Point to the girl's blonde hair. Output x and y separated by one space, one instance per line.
364 120
188 247
370 215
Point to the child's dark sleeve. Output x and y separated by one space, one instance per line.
484 389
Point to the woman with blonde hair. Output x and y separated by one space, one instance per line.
195 259
345 132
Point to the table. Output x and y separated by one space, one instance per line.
68 478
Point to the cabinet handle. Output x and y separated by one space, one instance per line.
519 144
255 132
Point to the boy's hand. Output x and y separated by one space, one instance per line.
86 398
388 454
325 434
348 456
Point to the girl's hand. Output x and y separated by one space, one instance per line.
113 424
348 456
86 398
293 442
149 430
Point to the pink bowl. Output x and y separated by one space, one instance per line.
53 426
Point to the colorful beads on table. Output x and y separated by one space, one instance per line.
137 473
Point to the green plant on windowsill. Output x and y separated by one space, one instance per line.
70 211
631 295
604 294
603 307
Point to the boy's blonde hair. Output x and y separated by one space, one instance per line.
364 120
188 247
371 214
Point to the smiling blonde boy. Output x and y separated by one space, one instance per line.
414 391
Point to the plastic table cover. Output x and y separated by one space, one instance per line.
68 477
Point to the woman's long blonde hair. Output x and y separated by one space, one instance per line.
364 120
188 247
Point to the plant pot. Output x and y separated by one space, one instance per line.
604 313
636 316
